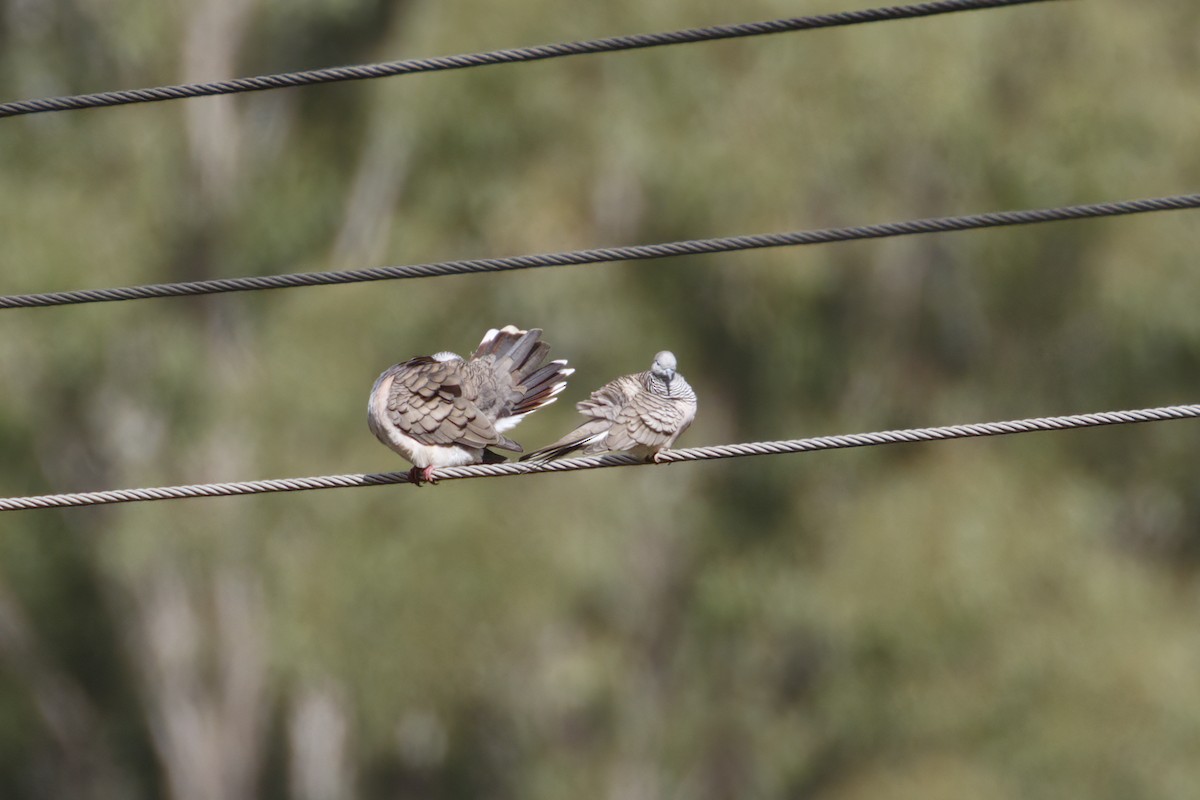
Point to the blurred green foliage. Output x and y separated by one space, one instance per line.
992 619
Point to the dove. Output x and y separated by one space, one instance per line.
445 411
642 414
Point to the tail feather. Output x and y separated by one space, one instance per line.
540 375
524 347
500 342
577 439
518 356
553 452
519 352
543 386
530 364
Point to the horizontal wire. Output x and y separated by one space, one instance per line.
594 462
608 254
510 56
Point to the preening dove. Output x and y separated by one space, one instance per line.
445 411
641 414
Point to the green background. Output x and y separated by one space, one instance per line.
1003 618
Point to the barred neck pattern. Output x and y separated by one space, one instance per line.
679 388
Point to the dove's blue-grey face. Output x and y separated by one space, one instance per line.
664 367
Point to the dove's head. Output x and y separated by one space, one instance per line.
663 367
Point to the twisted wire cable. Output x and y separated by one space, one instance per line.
593 462
607 254
510 56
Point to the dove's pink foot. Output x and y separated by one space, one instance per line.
419 475
658 459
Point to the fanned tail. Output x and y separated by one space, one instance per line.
542 386
522 354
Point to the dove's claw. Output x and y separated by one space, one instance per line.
420 475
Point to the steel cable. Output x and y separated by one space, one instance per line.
607 254
592 462
510 56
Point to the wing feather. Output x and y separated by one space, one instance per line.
431 402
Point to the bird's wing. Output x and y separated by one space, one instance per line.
611 399
435 403
647 420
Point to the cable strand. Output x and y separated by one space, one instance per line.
606 254
508 56
748 449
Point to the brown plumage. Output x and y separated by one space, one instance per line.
641 414
443 410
